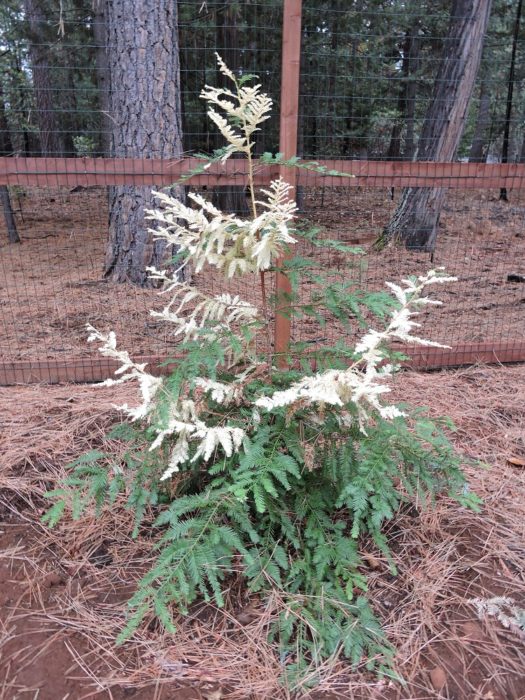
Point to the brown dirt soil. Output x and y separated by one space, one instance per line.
63 592
51 286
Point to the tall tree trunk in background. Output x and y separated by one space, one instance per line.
101 62
406 100
522 152
6 149
230 198
68 101
417 216
143 60
51 142
510 90
478 149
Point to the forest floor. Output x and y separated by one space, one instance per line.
63 592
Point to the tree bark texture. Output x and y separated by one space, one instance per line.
51 141
9 217
416 219
521 157
144 101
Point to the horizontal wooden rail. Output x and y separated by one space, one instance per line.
86 172
80 370
463 354
70 172
376 173
96 369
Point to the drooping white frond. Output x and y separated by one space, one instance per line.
227 437
233 137
199 317
363 383
270 246
149 385
179 454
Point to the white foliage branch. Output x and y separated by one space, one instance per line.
225 241
200 317
183 420
149 384
245 106
365 380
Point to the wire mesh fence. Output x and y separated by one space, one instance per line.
367 78
480 241
52 284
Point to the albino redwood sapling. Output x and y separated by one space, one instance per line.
253 470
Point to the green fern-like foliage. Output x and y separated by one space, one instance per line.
282 516
269 472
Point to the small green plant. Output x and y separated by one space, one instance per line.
259 471
84 146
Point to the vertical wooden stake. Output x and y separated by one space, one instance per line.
290 76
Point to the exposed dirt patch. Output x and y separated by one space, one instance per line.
40 658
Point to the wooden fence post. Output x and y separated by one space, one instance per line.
289 118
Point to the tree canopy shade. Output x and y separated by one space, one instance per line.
39 35
416 219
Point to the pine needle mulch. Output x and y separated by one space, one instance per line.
72 583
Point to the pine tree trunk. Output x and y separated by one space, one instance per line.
143 61
9 217
417 216
51 141
68 103
521 157
414 63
